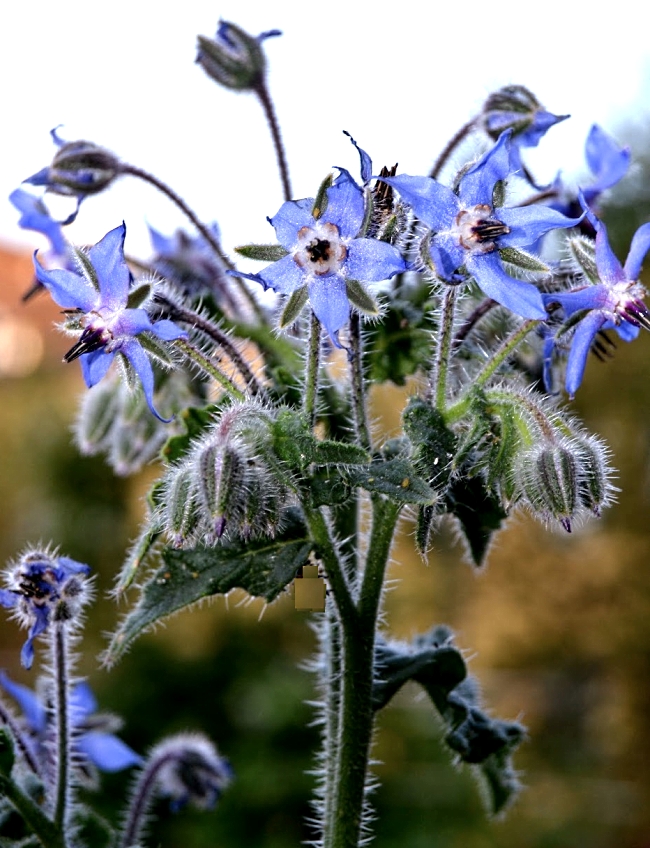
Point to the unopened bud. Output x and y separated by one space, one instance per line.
234 58
551 479
515 107
595 488
78 169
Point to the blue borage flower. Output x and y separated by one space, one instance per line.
616 303
34 216
99 293
39 583
93 740
468 232
607 161
323 252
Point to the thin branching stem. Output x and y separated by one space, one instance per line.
453 143
136 817
505 349
209 367
209 237
269 111
7 719
44 829
189 316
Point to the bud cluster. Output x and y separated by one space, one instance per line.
230 483
565 479
115 421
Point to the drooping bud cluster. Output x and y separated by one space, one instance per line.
44 588
231 482
233 58
565 479
116 422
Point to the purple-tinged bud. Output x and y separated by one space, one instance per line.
595 489
185 768
42 588
79 168
181 512
550 478
233 58
515 107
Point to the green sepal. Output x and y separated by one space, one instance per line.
499 195
525 261
262 252
262 567
583 250
7 756
157 348
293 307
396 478
195 420
479 511
85 266
140 549
360 298
320 201
138 295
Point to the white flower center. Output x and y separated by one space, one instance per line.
320 250
477 229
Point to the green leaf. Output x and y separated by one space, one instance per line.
262 567
262 252
294 306
395 478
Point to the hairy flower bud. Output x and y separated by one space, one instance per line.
595 489
230 483
79 168
550 477
234 58
515 107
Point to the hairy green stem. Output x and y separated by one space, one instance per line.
358 386
312 370
136 817
62 724
181 313
45 830
209 367
331 682
357 714
19 738
440 369
507 346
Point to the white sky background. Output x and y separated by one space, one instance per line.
122 74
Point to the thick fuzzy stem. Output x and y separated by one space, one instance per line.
357 383
440 368
312 370
62 740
